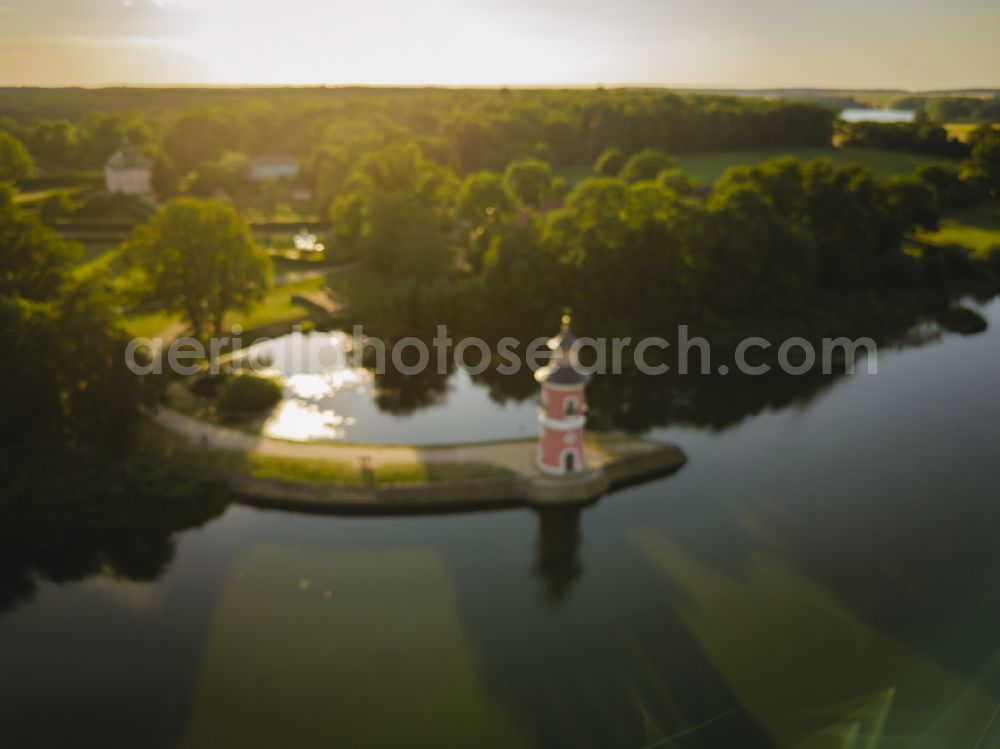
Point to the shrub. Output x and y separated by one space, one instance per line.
249 394
962 320
209 386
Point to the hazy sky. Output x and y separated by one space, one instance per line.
749 43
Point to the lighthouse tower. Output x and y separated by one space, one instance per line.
563 409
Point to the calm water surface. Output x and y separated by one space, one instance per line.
328 399
864 114
825 572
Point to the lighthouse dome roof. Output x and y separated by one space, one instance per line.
565 339
561 374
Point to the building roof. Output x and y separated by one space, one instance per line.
565 339
564 369
127 157
558 373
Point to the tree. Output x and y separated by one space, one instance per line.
531 180
678 180
521 281
949 189
15 162
985 159
609 163
33 258
199 259
483 202
226 173
54 207
396 211
646 165
483 196
198 136
404 238
53 141
102 133
913 202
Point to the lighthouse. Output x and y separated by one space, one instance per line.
562 413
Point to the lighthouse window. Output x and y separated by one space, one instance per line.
570 406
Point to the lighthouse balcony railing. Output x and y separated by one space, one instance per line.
568 422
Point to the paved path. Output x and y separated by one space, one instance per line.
515 456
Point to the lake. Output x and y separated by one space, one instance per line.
865 114
822 573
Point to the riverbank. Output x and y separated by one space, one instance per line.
360 478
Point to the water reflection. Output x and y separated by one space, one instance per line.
431 407
30 556
557 551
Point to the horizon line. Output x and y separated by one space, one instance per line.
500 86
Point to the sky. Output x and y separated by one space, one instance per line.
906 44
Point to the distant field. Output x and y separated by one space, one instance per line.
708 167
977 229
961 130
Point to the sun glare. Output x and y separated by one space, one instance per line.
305 42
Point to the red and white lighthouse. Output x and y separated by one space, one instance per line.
563 409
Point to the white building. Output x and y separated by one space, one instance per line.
128 172
273 167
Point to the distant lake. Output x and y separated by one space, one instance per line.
823 573
863 114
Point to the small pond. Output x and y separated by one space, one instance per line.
327 399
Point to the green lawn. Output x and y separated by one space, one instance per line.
172 447
36 196
976 228
277 307
97 257
149 324
708 167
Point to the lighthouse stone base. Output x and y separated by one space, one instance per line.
574 488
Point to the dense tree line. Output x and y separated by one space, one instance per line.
916 137
196 138
954 108
66 389
784 247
